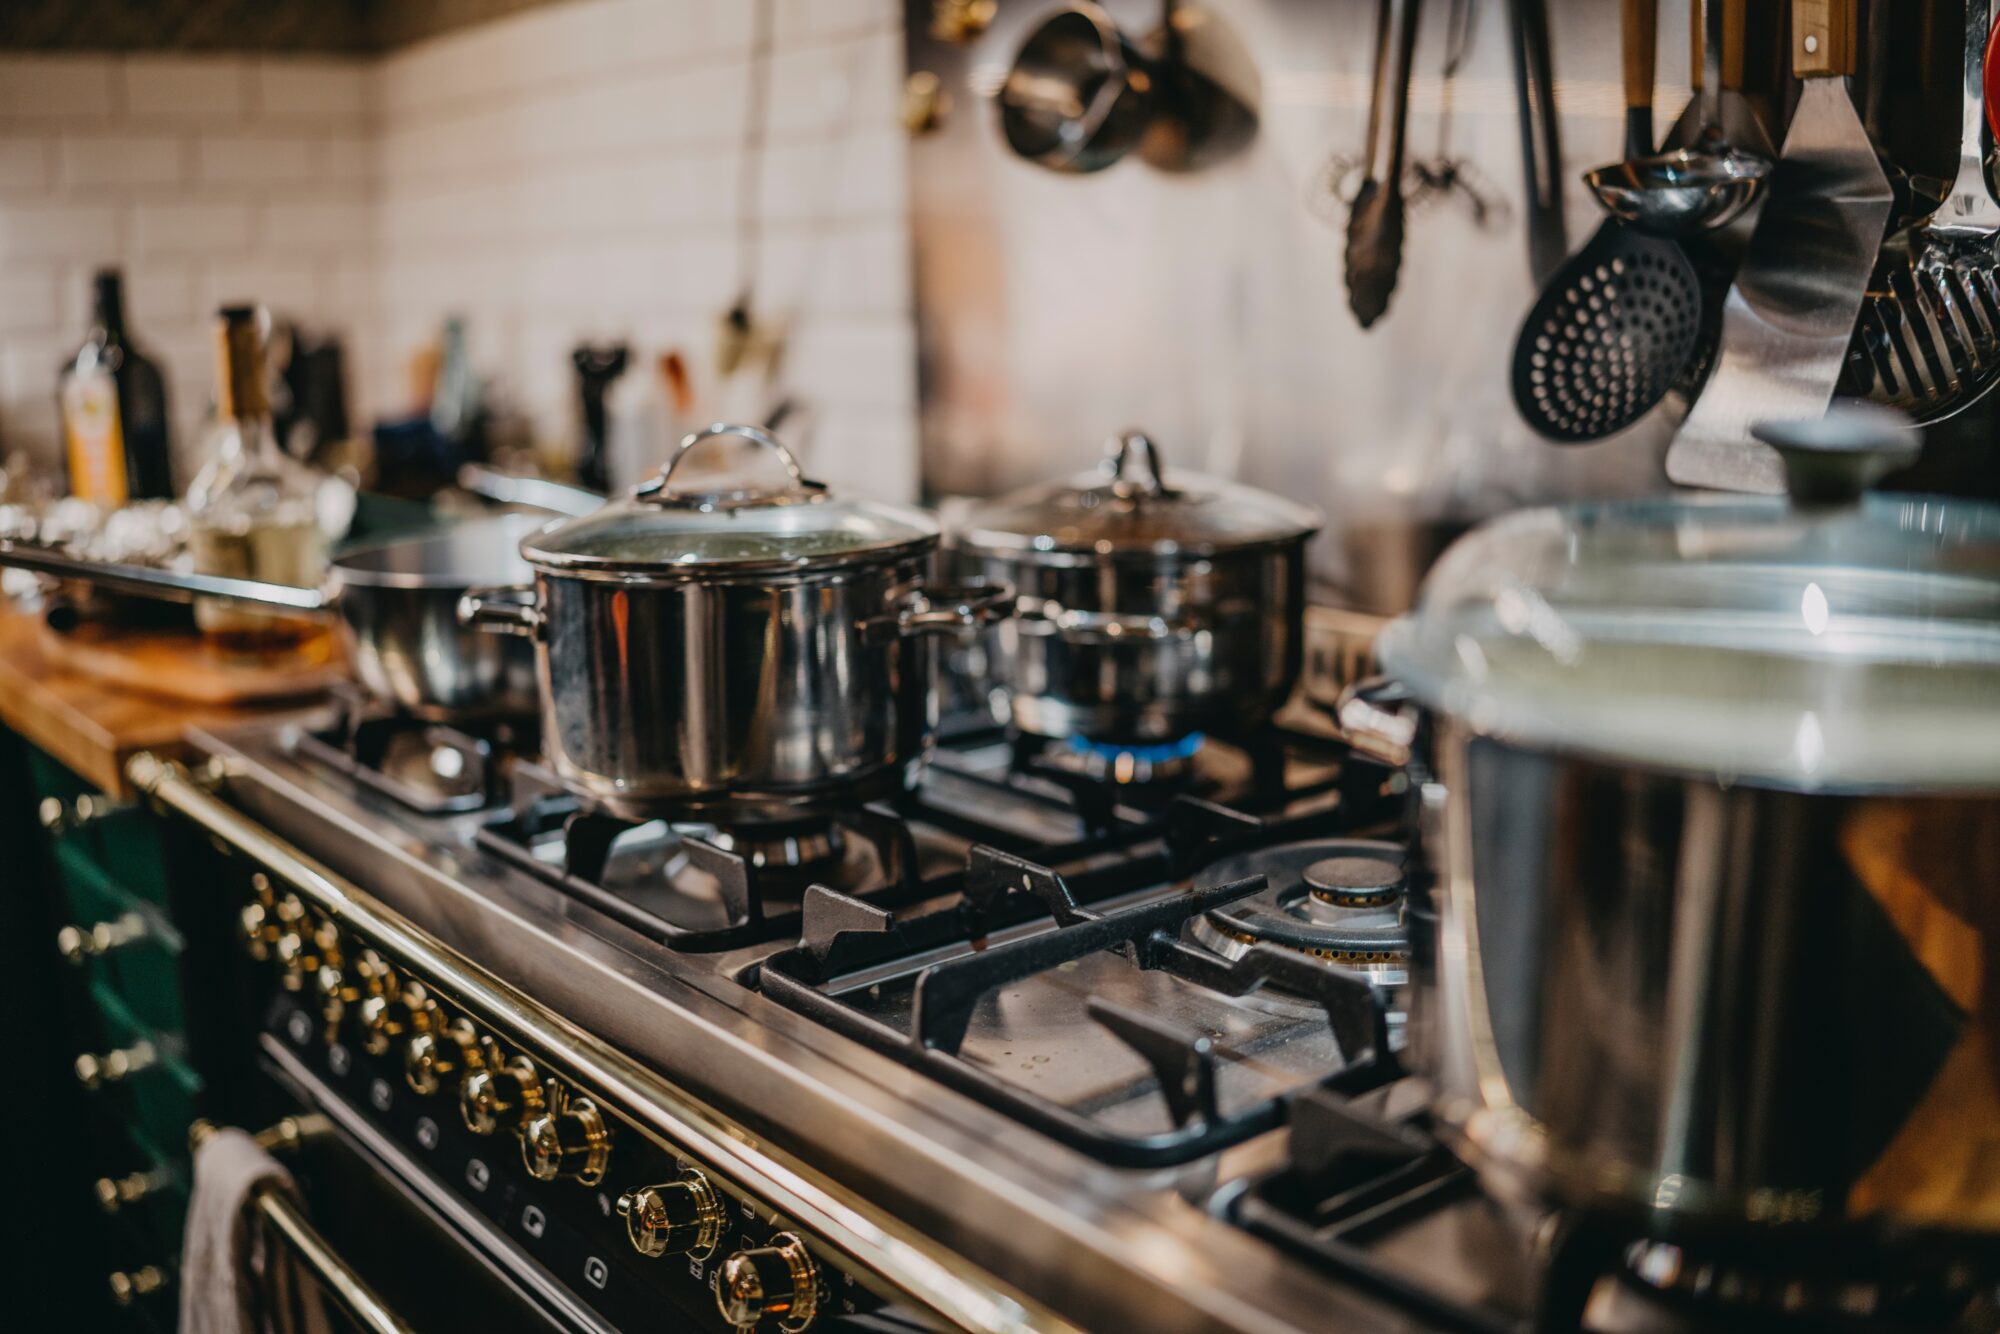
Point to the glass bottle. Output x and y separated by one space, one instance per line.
251 509
112 401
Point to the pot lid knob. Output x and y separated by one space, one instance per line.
1121 455
1837 458
798 488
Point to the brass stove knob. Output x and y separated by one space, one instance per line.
501 1097
446 1053
257 930
115 1193
343 985
77 943
574 1142
127 1288
399 1012
682 1217
94 1071
777 1282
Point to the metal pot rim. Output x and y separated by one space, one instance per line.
707 572
1024 547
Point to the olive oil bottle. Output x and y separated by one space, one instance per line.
112 403
251 510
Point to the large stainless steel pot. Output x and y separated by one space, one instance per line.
1712 793
1148 610
397 603
741 656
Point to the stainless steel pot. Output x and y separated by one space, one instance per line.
397 604
1711 790
754 655
1147 611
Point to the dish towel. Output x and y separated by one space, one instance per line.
237 1276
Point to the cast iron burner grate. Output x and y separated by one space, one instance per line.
430 768
692 887
1368 1192
1044 799
1017 919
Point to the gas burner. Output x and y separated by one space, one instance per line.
801 850
1126 766
697 886
1339 901
431 768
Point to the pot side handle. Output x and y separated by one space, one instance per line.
1379 719
953 608
508 610
1102 627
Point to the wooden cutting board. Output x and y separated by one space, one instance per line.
181 665
90 723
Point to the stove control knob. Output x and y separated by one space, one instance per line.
446 1053
115 1067
574 1142
777 1282
342 988
682 1217
129 1286
501 1097
255 928
399 1012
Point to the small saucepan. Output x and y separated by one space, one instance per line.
743 651
1153 605
397 604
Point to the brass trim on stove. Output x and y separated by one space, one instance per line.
916 1266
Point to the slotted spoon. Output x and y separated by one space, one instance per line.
1617 325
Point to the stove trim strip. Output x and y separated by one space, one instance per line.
927 1273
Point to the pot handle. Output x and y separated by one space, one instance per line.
951 608
1102 627
660 489
506 610
1119 452
1379 719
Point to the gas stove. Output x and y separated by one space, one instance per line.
1054 1041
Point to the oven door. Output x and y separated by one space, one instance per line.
390 1250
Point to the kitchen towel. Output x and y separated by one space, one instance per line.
236 1276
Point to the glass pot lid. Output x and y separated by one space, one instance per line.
1835 640
671 523
1128 506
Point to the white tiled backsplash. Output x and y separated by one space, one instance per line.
567 173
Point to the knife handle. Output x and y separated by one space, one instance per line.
1823 38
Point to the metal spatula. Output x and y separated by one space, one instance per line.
1617 324
1790 313
1929 338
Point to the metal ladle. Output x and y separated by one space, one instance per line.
1697 189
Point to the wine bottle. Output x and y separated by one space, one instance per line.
252 510
112 402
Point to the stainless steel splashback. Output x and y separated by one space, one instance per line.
1211 307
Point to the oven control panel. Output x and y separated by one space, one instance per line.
639 1233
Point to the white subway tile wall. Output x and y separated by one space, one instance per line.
192 175
568 173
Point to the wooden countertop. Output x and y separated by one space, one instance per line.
89 724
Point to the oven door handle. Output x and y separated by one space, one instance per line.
870 1237
336 1278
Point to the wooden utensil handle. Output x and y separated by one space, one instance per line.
1641 51
1735 18
1823 37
